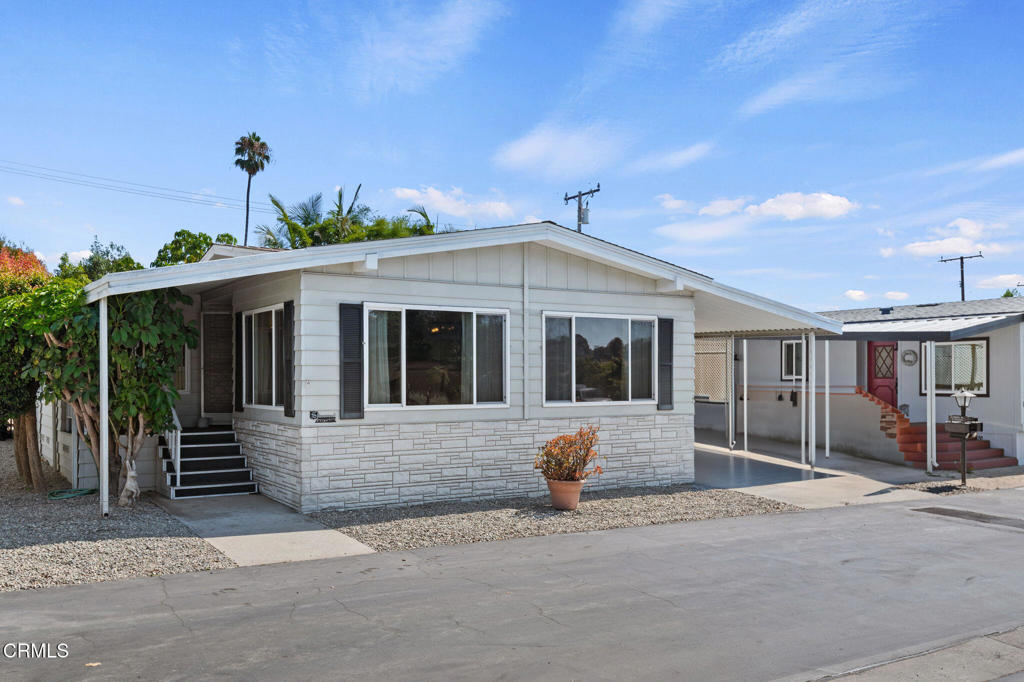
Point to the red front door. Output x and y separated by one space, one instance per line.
882 371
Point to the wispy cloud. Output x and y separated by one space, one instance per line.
720 207
672 159
896 295
563 152
1001 281
961 237
670 203
981 164
15 201
797 205
780 273
856 294
454 202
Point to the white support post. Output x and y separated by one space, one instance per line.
731 395
746 399
104 425
803 399
930 454
828 409
812 403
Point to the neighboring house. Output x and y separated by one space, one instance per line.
431 368
876 369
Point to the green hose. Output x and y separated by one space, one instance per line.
69 493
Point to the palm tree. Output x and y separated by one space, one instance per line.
253 155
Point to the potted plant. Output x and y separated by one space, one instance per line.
563 461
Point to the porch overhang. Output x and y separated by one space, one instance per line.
933 329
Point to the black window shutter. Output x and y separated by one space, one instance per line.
665 363
288 334
350 317
239 352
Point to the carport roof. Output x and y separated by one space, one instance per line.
930 329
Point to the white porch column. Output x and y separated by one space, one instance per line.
803 399
930 454
104 425
746 399
812 404
731 395
828 411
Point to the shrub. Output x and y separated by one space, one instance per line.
566 457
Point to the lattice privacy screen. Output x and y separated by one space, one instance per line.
711 369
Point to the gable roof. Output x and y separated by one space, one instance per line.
728 309
986 306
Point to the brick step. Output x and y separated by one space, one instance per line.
923 437
994 463
945 446
921 427
972 455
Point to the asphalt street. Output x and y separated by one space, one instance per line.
803 594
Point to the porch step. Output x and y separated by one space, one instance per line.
972 465
954 456
212 464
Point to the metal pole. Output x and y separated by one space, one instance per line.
930 393
803 399
730 396
746 399
963 451
963 297
828 409
104 425
812 404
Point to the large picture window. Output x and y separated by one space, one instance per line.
792 360
264 357
435 357
959 365
590 358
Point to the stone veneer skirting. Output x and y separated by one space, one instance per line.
274 452
375 465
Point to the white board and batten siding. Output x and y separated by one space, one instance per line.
490 277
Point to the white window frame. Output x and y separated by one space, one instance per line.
952 371
398 307
799 374
572 360
252 360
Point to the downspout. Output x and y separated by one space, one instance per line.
812 404
526 331
828 408
746 399
104 421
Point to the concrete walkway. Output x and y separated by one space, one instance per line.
253 530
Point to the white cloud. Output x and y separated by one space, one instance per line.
670 203
855 295
1013 158
454 203
960 237
882 232
558 152
74 256
1001 282
896 295
671 160
797 205
15 201
705 230
887 252
720 207
530 218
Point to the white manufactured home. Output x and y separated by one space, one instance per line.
431 368
877 383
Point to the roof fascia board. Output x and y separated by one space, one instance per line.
826 324
986 327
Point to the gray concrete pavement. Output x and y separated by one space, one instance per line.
253 530
803 594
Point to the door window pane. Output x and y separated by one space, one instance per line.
601 349
490 362
249 362
641 370
969 367
279 357
944 368
385 356
557 359
263 340
439 357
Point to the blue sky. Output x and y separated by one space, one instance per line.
822 153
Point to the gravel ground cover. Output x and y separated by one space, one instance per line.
941 487
44 543
452 523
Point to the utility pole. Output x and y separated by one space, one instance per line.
582 214
961 259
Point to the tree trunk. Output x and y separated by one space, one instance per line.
248 186
35 464
19 451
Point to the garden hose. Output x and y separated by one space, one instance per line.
70 492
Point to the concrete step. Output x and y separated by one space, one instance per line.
994 463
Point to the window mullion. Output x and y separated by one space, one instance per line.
629 359
402 372
473 360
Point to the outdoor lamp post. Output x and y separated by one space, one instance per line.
963 401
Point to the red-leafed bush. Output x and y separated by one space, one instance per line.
565 458
19 271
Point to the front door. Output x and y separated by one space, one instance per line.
882 371
218 366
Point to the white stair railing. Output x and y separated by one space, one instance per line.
173 439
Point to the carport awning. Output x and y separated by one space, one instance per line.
935 329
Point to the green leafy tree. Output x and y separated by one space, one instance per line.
147 336
102 260
188 247
1011 293
251 155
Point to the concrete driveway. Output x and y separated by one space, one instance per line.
800 594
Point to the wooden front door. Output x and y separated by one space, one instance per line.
882 371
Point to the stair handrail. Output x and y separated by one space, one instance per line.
173 438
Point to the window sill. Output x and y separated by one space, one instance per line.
396 408
599 403
279 408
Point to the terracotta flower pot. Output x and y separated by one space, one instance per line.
565 495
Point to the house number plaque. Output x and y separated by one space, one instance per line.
322 417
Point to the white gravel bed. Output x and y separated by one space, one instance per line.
452 523
44 543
